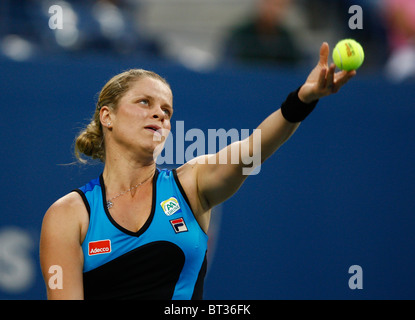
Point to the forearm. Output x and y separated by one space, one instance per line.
278 127
275 130
220 175
217 182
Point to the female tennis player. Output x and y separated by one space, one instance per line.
137 232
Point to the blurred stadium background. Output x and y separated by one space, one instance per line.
339 193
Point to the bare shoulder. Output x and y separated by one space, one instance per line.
66 207
71 200
67 214
187 175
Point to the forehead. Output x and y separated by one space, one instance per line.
150 87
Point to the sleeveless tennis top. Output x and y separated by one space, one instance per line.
165 259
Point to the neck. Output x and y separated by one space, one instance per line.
121 174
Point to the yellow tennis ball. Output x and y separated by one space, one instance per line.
348 54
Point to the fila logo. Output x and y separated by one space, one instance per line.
98 247
170 206
178 225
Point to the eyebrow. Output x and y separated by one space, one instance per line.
150 97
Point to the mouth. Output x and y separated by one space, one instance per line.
156 130
153 128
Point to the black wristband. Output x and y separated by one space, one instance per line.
294 110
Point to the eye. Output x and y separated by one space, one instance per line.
168 112
144 101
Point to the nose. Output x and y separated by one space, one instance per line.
158 113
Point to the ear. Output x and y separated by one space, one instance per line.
105 117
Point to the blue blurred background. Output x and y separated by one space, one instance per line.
339 193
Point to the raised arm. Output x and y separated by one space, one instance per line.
216 179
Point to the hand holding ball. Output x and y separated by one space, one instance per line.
348 55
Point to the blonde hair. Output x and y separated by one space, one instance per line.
90 140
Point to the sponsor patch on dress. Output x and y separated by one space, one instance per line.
170 206
99 247
178 225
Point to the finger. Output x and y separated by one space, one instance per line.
324 53
321 82
330 77
342 79
343 73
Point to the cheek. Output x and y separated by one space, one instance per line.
137 113
132 116
167 127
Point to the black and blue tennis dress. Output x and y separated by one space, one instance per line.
165 259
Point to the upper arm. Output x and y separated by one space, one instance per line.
223 173
211 179
216 177
61 256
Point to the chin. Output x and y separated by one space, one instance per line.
152 149
157 150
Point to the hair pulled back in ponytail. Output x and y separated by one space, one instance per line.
90 140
